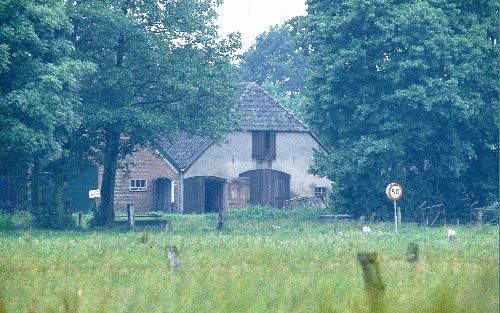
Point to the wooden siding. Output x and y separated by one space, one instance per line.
194 194
239 192
268 187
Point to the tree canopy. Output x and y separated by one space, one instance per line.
160 67
39 80
39 92
404 91
275 58
99 79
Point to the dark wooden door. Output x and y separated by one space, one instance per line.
194 195
268 187
162 194
281 188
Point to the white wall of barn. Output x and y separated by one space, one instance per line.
294 155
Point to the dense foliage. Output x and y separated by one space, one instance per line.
405 91
39 85
94 80
160 67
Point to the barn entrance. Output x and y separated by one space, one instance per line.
214 195
163 194
203 194
268 187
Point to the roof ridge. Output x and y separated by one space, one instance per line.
248 92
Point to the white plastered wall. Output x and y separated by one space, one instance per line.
294 155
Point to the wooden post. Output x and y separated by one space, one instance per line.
399 216
412 253
225 205
130 215
168 226
180 190
335 223
80 216
174 261
373 281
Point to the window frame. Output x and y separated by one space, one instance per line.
135 187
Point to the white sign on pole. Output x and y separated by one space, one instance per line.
94 193
394 191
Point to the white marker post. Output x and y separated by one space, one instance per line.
394 191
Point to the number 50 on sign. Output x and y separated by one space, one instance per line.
394 191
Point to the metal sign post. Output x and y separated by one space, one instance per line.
395 218
394 191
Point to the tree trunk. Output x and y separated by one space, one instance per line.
36 186
106 212
59 189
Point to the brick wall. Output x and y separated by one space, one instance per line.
145 164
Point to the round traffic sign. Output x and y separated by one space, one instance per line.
394 191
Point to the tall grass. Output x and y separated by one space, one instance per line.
250 266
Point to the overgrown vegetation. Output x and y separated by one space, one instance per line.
251 266
404 91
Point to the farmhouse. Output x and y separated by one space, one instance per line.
263 160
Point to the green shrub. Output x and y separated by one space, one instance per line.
20 220
48 218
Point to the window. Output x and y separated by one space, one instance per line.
138 185
264 145
320 192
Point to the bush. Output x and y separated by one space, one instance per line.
20 220
48 218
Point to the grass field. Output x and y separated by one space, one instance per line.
251 266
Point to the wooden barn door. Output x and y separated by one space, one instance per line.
162 194
194 195
268 187
281 188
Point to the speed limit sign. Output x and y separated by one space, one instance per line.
394 191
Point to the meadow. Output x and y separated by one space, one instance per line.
262 261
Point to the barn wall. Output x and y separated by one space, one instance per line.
144 164
294 154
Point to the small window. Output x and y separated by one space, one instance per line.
138 185
320 192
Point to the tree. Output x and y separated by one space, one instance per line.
405 91
276 63
39 81
160 68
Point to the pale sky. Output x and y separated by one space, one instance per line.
252 17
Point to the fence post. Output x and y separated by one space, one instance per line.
373 281
168 226
399 217
412 253
174 261
130 215
80 216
